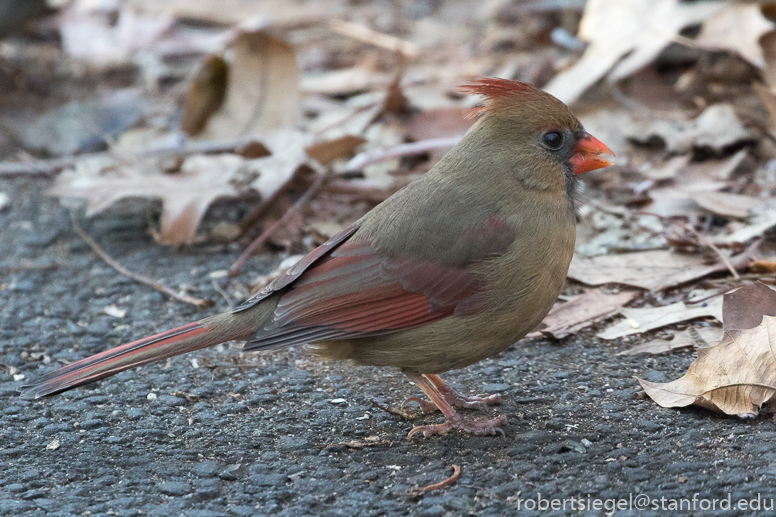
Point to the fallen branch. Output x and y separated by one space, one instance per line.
197 302
416 491
234 270
361 160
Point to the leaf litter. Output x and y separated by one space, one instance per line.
272 99
737 375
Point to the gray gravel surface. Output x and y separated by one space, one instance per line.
266 434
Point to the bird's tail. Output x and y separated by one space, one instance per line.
194 336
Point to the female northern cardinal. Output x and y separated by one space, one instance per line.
450 270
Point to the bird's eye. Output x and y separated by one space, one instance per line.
553 139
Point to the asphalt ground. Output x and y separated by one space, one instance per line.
219 432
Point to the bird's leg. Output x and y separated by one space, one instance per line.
452 419
453 397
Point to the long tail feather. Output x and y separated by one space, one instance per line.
194 336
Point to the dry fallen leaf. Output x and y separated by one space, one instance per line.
650 270
642 320
344 82
623 37
185 196
700 337
328 151
584 310
744 308
667 170
262 92
735 377
206 94
727 204
89 34
717 128
737 28
763 219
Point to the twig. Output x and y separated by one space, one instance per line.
702 240
197 302
223 293
361 445
29 267
378 155
378 39
247 222
706 242
358 192
438 486
261 239
390 409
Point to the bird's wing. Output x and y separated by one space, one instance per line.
349 288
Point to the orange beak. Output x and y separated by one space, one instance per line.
586 155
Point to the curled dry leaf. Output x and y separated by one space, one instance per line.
642 320
623 37
206 94
735 377
262 91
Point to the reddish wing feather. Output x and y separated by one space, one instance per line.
345 288
356 292
300 267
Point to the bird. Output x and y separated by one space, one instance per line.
454 268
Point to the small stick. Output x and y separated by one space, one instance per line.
197 302
438 486
234 270
223 293
390 409
706 242
378 155
702 240
378 39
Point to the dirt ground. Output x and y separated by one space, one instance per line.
282 434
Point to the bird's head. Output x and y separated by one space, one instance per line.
523 125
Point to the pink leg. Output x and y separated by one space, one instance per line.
452 419
453 397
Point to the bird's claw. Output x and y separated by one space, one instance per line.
456 400
475 427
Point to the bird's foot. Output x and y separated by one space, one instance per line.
453 398
455 421
457 400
